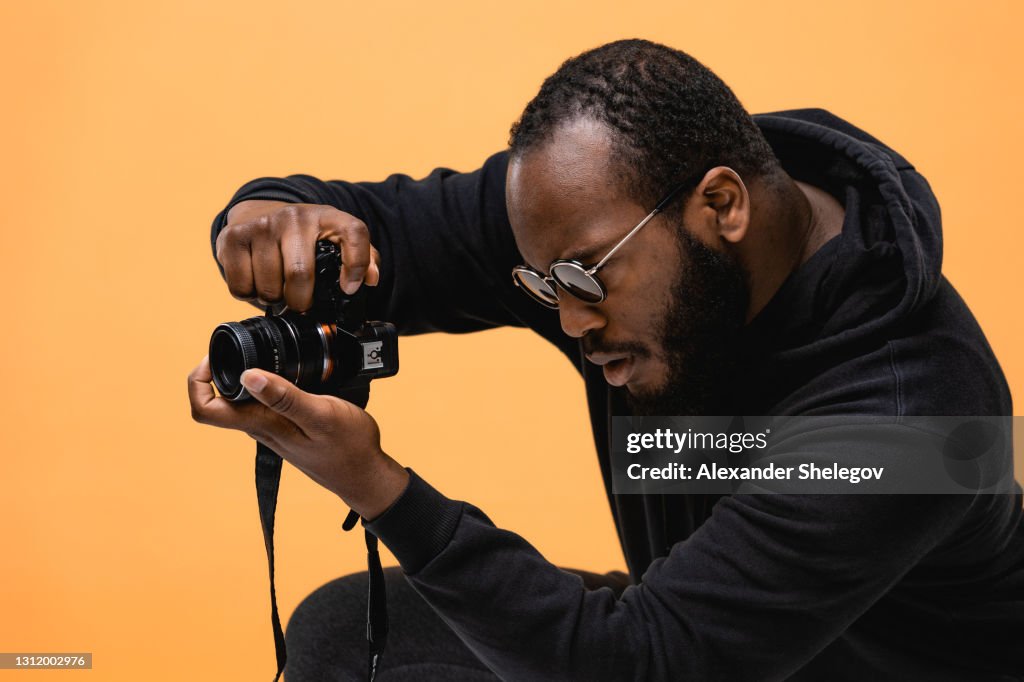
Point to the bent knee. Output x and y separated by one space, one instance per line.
326 634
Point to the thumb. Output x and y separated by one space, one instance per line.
277 393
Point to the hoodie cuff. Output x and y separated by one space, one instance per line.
418 525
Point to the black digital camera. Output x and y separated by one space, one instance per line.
331 349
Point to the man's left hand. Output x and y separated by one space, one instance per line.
332 441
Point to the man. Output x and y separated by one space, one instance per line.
689 259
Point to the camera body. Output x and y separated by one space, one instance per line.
331 349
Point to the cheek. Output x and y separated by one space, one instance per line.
641 295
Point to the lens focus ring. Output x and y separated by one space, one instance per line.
232 351
245 342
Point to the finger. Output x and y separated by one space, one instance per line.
297 256
267 273
233 254
373 272
201 372
251 417
282 396
201 396
355 245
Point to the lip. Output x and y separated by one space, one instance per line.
618 372
618 368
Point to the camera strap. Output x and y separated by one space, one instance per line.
268 482
376 603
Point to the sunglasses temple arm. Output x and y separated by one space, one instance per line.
657 209
625 239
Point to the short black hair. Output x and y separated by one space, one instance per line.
671 118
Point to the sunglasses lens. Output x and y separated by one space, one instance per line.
577 282
535 286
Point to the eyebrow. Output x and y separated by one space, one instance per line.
583 255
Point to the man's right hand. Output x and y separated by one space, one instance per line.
267 251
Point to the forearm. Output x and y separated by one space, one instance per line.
445 243
523 616
755 594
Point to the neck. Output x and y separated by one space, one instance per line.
791 222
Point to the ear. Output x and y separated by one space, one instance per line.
724 200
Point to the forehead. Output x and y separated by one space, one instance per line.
564 197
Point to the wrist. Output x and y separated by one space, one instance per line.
378 488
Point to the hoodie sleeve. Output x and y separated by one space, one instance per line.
446 245
754 594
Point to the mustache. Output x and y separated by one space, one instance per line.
596 345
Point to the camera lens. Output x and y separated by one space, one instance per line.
291 345
232 351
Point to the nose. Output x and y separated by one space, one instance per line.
578 317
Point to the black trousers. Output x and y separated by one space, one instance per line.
326 635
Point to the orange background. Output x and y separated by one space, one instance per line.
131 532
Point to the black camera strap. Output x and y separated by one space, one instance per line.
376 599
268 482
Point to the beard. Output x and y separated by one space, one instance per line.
698 335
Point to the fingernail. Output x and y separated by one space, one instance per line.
253 381
350 287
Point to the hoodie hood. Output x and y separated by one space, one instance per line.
886 263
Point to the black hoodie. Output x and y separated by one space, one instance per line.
735 587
